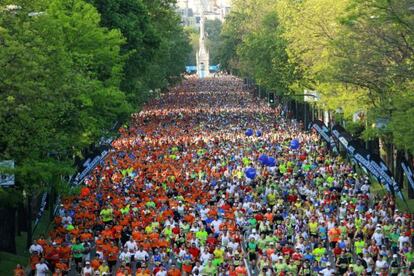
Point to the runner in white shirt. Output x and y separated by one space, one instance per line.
42 269
87 270
328 271
141 256
162 272
35 247
125 256
378 236
403 239
205 256
381 264
131 244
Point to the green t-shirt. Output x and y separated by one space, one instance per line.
394 239
125 210
209 270
318 253
271 198
282 168
358 269
280 267
107 215
253 222
252 246
261 243
148 229
77 250
359 246
167 232
202 236
293 268
150 204
409 256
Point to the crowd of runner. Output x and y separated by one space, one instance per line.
173 198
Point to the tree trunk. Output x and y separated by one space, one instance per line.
21 218
399 173
8 229
29 221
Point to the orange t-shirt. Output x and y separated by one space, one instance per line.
241 270
174 272
85 236
95 263
62 266
19 272
64 252
113 253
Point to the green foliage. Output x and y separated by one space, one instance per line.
357 54
69 73
156 45
60 85
213 30
194 37
253 45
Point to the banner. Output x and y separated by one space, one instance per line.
89 165
371 163
374 164
42 208
6 179
324 132
341 135
408 172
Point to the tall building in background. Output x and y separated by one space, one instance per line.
203 57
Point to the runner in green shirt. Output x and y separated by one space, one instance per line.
209 269
107 214
318 252
359 245
202 236
280 266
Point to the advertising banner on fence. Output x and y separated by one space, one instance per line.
341 135
324 132
371 163
89 165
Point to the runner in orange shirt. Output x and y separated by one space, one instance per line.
174 271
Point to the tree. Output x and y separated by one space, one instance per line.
153 34
253 46
60 84
213 30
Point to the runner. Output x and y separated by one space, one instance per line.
208 178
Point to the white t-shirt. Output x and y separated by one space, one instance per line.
38 248
380 265
402 240
67 220
161 273
216 224
87 271
327 271
141 255
125 256
204 257
131 245
42 269
378 238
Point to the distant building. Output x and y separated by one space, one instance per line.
190 10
